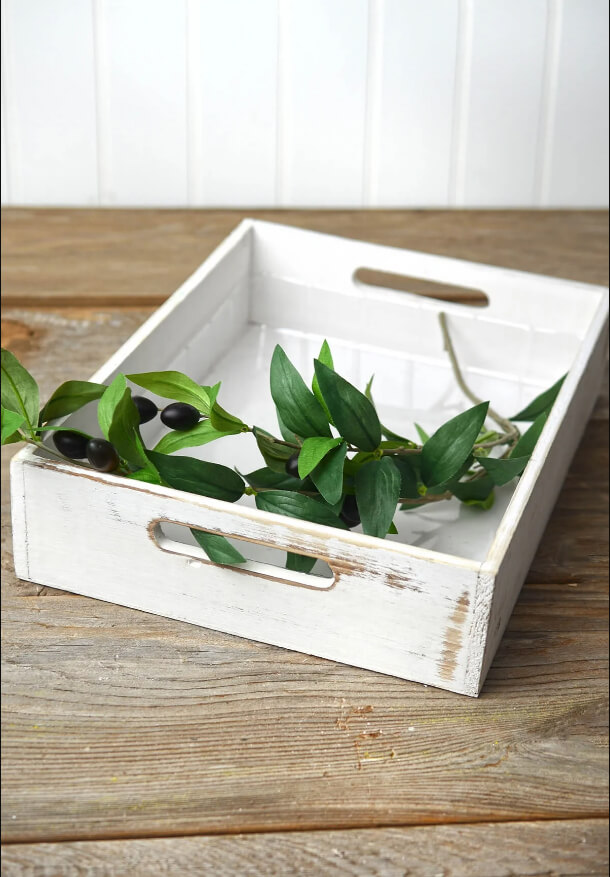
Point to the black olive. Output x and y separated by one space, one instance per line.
146 408
71 444
349 511
180 416
102 455
292 466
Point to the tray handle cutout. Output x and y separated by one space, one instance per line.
166 535
462 295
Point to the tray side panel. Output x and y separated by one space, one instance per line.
506 583
326 262
389 612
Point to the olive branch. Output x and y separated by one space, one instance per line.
335 464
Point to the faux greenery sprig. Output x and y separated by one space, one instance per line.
335 463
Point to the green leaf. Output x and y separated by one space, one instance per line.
528 440
274 454
503 471
444 486
295 505
313 451
479 492
328 474
408 477
40 429
19 390
148 476
353 414
377 494
199 435
541 404
212 392
69 397
392 529
120 422
357 461
267 478
410 506
176 386
298 407
11 421
421 432
217 548
368 390
300 562
199 476
400 440
335 507
225 422
326 357
287 434
108 402
445 452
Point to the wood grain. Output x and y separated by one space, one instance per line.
137 257
119 724
526 849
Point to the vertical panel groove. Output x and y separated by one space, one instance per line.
10 127
548 105
358 102
101 157
6 195
459 137
370 162
279 108
193 100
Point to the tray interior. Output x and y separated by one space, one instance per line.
275 285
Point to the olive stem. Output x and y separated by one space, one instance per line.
277 441
512 433
423 500
403 452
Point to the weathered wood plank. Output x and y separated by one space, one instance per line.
525 849
119 723
134 257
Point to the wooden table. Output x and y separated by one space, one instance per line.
124 733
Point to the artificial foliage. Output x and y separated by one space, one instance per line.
333 462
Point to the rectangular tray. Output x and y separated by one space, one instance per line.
429 604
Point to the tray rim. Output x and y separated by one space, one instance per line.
523 490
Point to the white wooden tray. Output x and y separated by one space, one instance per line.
429 604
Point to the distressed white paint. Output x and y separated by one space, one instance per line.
425 604
306 102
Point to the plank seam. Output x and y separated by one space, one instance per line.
194 146
59 838
13 177
548 103
7 161
100 80
370 158
279 182
461 105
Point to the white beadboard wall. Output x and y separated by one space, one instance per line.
329 103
